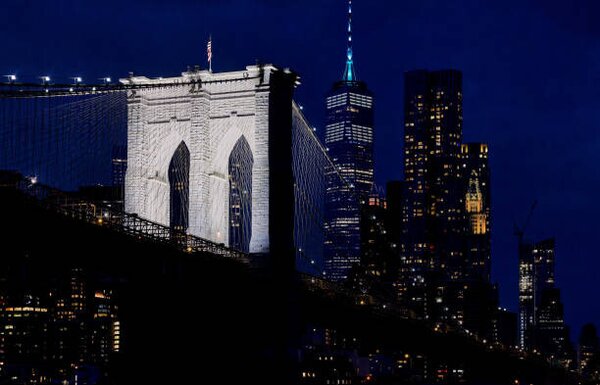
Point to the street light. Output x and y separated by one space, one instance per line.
77 80
11 78
106 80
45 79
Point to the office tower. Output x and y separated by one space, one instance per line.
378 270
505 328
536 274
477 204
551 333
374 237
432 214
24 324
589 353
68 330
105 330
349 139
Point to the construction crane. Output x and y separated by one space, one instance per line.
520 231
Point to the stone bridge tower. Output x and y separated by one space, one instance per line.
211 154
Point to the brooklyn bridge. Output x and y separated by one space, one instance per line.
211 241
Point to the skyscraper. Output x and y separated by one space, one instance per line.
349 138
536 275
432 212
476 194
552 335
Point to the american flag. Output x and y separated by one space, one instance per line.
209 50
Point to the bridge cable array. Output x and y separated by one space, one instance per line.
67 140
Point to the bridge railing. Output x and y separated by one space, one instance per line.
71 206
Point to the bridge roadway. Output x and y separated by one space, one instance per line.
193 310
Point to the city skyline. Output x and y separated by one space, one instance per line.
518 156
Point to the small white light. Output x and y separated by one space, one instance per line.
33 180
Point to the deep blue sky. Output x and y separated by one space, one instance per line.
531 84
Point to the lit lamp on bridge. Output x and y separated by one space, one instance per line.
106 80
45 79
11 78
77 80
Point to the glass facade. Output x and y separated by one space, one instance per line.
349 139
536 275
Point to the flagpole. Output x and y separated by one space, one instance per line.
210 60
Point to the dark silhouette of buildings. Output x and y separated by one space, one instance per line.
395 203
505 328
588 354
551 333
59 329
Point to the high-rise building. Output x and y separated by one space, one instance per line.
349 139
477 204
374 237
23 331
551 333
378 269
505 328
536 274
432 214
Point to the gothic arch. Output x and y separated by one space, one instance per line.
179 183
241 163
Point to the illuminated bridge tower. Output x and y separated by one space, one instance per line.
210 154
349 138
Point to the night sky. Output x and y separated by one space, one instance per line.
531 85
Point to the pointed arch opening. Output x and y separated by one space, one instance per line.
241 162
179 182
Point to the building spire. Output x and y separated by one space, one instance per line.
349 73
